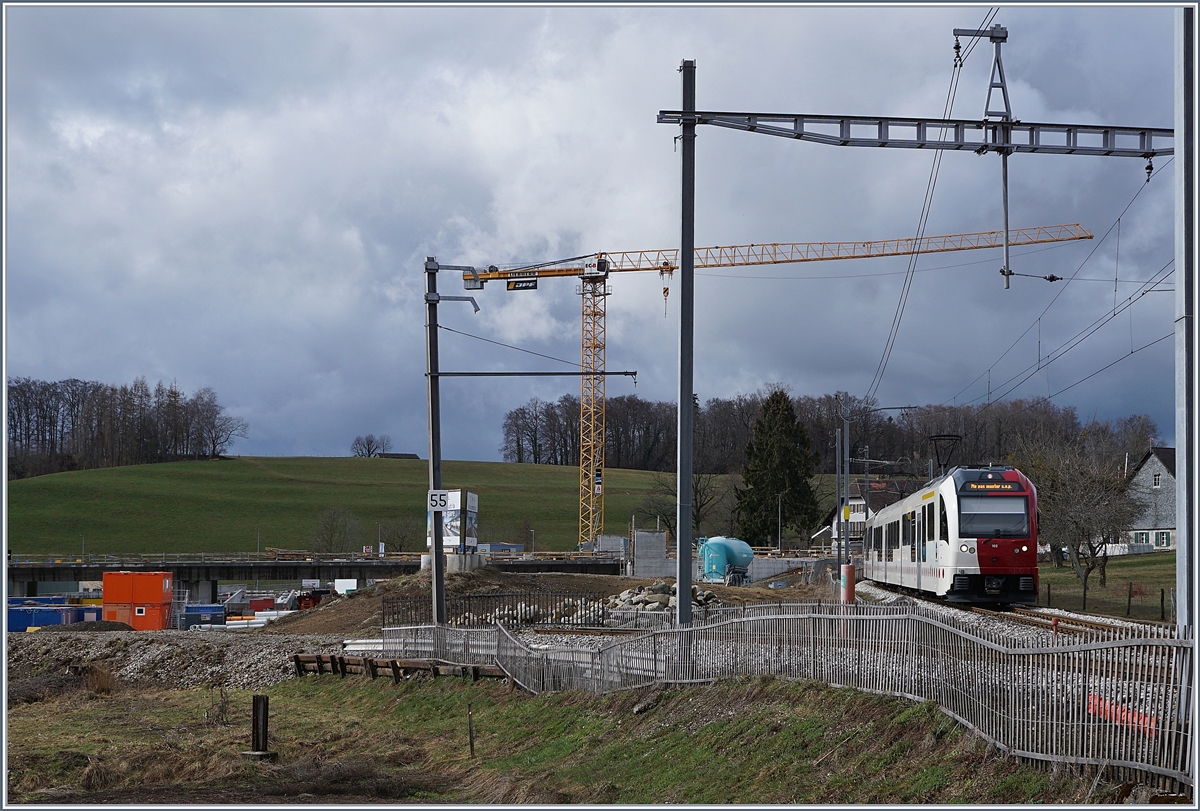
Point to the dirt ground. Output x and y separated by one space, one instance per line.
360 614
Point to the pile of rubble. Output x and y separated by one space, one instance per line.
658 597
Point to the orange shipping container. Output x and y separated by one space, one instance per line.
142 588
118 587
151 588
121 612
140 617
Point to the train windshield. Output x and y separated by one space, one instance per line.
993 516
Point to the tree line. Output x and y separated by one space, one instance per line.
80 424
640 434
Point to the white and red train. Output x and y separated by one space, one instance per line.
968 536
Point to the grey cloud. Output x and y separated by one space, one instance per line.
243 197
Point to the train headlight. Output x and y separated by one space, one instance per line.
972 550
1016 551
1024 548
962 548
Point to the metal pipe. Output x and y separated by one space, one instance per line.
437 565
687 306
1004 185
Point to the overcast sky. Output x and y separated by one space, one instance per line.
243 198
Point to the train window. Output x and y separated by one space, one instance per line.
943 522
993 516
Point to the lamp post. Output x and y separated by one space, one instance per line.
779 506
533 542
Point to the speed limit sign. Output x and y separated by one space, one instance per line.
439 501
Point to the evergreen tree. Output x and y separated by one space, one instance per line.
779 459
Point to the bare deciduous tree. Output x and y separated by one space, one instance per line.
337 530
1084 501
405 534
370 445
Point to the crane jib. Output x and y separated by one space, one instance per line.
772 253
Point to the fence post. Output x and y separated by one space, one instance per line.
258 731
1129 599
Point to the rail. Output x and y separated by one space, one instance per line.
1119 697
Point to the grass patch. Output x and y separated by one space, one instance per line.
357 740
1152 576
222 505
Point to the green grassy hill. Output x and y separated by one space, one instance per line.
221 505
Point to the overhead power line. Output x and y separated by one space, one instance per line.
1074 277
923 220
507 346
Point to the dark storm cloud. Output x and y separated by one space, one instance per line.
243 198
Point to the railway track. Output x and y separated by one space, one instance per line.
1056 622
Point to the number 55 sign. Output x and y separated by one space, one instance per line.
439 500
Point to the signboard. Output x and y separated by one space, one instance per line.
367 550
314 583
460 520
522 284
381 545
992 487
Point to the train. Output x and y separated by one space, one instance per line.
969 536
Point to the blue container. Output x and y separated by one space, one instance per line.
203 614
45 599
719 552
21 617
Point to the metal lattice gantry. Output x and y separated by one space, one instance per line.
939 133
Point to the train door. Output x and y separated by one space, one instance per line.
919 541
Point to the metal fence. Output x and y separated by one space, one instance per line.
1119 698
513 608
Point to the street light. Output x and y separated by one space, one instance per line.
533 536
779 506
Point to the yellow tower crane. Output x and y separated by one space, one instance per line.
594 289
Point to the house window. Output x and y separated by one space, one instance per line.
1162 538
1141 537
1158 480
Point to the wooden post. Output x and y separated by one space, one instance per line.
1162 604
296 662
1129 599
471 729
395 672
1047 595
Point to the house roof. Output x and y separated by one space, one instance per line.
1164 455
884 492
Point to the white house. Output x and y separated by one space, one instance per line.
1154 481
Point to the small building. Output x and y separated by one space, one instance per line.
882 493
1153 480
396 456
141 600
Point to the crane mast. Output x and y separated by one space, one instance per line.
594 289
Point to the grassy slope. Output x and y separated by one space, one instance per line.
1148 573
219 505
347 740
